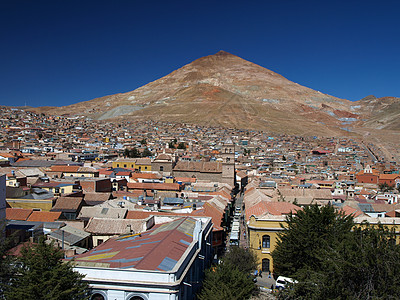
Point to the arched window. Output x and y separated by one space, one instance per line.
98 295
161 168
266 241
136 296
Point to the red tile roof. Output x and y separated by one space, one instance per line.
123 173
348 210
44 216
210 211
389 176
281 208
257 210
145 176
154 186
18 214
67 204
186 179
61 168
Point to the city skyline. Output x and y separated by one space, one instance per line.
57 53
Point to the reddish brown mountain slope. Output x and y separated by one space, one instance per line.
226 90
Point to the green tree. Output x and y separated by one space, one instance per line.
146 153
384 187
307 234
132 153
243 259
181 145
331 258
41 274
6 262
363 265
225 281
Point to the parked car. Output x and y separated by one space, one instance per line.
282 281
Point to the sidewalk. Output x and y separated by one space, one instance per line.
265 282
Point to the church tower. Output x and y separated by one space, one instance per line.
228 163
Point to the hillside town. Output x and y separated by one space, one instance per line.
142 208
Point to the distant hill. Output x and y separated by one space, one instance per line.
226 90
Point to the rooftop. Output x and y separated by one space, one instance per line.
158 249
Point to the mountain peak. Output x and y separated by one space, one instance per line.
369 98
222 53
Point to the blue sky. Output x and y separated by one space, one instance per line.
62 52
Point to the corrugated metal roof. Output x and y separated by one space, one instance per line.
157 249
71 235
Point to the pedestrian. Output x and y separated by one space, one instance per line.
260 273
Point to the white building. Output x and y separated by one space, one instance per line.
165 262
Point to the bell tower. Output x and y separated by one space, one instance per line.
228 163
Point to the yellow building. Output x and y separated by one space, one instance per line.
388 222
140 164
263 234
57 188
42 204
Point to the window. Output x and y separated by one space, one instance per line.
266 241
97 296
145 168
62 191
99 242
117 165
125 166
161 168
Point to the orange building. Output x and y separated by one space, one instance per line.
389 179
368 175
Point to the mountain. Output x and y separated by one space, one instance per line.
226 90
380 113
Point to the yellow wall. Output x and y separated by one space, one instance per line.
72 174
68 189
44 205
123 163
11 182
143 167
96 238
131 165
257 228
388 225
